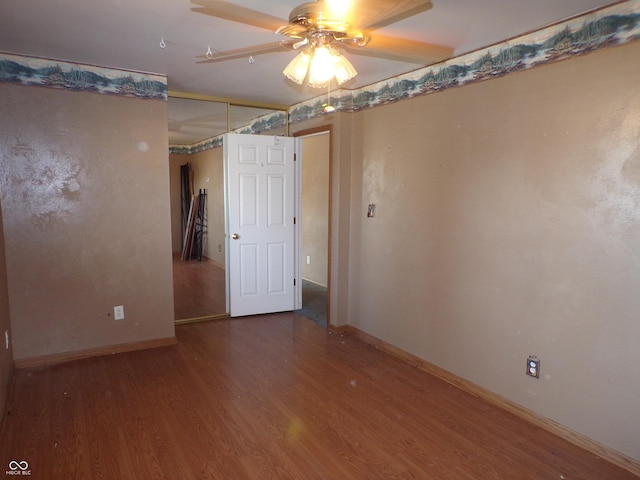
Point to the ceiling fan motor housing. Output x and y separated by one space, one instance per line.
314 16
312 21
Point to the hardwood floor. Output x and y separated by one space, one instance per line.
198 289
270 397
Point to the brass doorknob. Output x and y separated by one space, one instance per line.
235 236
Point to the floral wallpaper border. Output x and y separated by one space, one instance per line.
613 25
42 72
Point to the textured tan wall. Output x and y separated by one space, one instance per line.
208 168
85 202
315 208
6 355
508 224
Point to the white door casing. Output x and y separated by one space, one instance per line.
260 196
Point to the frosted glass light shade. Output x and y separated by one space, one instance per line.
320 63
297 69
321 69
343 69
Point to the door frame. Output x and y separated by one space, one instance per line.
322 129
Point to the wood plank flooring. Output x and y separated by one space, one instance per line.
198 289
270 397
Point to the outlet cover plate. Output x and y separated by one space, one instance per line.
533 366
118 312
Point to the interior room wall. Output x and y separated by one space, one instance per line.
6 354
85 204
508 225
315 208
341 147
208 168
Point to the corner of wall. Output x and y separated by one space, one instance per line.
6 354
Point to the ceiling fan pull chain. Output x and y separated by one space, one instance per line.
251 60
209 52
162 44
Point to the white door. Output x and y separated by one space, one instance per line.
260 181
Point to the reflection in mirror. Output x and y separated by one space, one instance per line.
254 120
196 128
192 121
198 273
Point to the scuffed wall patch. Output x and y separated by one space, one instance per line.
33 71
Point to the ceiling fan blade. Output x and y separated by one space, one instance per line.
236 13
402 50
373 14
246 52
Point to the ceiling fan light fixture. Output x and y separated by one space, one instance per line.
297 69
322 65
343 69
318 64
328 24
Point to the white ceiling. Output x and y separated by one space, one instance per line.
127 34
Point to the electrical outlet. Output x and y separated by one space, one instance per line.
118 312
308 259
533 366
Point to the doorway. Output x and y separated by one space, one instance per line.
315 224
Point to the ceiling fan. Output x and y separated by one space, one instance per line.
321 28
